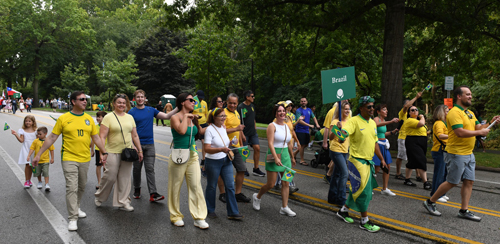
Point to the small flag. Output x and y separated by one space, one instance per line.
194 148
244 113
197 104
6 127
428 87
288 174
244 152
339 133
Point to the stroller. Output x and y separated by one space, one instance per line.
321 156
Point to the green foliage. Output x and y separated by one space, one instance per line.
116 76
73 79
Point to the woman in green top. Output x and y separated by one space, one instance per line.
185 128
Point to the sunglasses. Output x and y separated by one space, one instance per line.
220 101
369 107
82 99
190 100
468 114
414 110
252 96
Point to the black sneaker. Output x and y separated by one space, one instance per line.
212 215
409 183
235 217
400 177
257 172
156 197
431 207
242 198
137 193
246 173
468 215
222 197
427 185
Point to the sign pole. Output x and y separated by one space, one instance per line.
340 111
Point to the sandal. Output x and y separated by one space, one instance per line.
304 163
400 177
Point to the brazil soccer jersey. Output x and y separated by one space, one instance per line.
77 130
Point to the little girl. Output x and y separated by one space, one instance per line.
26 136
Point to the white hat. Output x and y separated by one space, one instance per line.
288 102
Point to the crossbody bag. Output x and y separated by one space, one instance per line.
180 155
269 157
128 154
230 154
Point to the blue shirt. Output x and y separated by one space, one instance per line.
144 123
308 114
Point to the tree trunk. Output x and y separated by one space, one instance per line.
392 68
35 83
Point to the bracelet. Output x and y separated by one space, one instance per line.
105 153
139 151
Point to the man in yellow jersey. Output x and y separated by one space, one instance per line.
77 128
463 128
403 115
234 130
202 114
362 133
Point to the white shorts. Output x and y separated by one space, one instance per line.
402 149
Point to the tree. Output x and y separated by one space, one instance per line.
73 79
117 76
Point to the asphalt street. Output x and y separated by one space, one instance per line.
36 216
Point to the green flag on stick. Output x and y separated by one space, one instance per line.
288 174
428 87
6 127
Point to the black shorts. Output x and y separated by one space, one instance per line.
304 138
203 126
97 158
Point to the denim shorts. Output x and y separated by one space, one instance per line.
460 167
251 140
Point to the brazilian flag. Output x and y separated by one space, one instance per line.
288 174
428 87
244 112
362 183
339 133
194 148
6 127
244 152
197 104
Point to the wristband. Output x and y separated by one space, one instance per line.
139 151
105 153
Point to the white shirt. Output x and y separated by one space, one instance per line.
281 133
214 139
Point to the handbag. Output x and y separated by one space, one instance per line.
269 156
128 154
180 155
230 154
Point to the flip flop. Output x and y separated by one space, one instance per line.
304 163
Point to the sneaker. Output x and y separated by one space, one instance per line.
26 184
400 177
293 189
309 148
201 223
326 179
369 227
427 185
419 179
127 208
212 215
203 173
388 192
246 173
409 183
468 215
156 197
345 216
31 183
431 207
97 202
47 187
179 223
222 197
235 217
442 199
446 197
81 214
256 202
257 172
72 226
39 185
277 187
242 198
137 193
287 211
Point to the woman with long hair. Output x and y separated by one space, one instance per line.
439 138
185 127
416 146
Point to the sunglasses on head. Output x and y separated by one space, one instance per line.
413 110
120 96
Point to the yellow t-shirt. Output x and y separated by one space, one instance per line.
336 146
458 118
203 112
37 145
232 121
402 131
77 130
438 128
412 130
363 136
115 139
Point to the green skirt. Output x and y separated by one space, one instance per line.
285 160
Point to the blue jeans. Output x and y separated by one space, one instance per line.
439 170
224 168
338 181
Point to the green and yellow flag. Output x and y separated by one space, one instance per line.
244 113
6 127
339 133
197 104
288 174
428 87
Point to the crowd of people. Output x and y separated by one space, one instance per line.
358 148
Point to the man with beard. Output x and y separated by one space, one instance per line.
302 128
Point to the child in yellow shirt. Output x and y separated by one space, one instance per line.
43 167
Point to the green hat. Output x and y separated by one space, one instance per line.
364 100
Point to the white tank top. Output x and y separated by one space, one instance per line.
281 133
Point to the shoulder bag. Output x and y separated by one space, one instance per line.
230 154
270 157
180 155
128 154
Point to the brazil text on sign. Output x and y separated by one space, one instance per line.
338 84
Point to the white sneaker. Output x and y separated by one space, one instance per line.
39 185
287 211
179 223
256 202
446 197
388 192
47 187
442 199
127 208
97 202
81 214
202 224
72 226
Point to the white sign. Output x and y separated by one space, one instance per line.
448 83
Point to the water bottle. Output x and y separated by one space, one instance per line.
234 141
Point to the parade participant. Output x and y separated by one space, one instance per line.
202 113
29 102
77 129
403 115
21 104
384 145
100 106
26 135
439 138
45 160
185 127
462 128
302 128
143 116
218 164
14 105
250 137
119 131
362 133
416 147
278 138
95 151
159 108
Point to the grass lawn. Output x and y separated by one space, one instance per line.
261 133
261 125
91 113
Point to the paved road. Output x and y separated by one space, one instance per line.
35 216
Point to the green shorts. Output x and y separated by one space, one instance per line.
42 169
285 160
